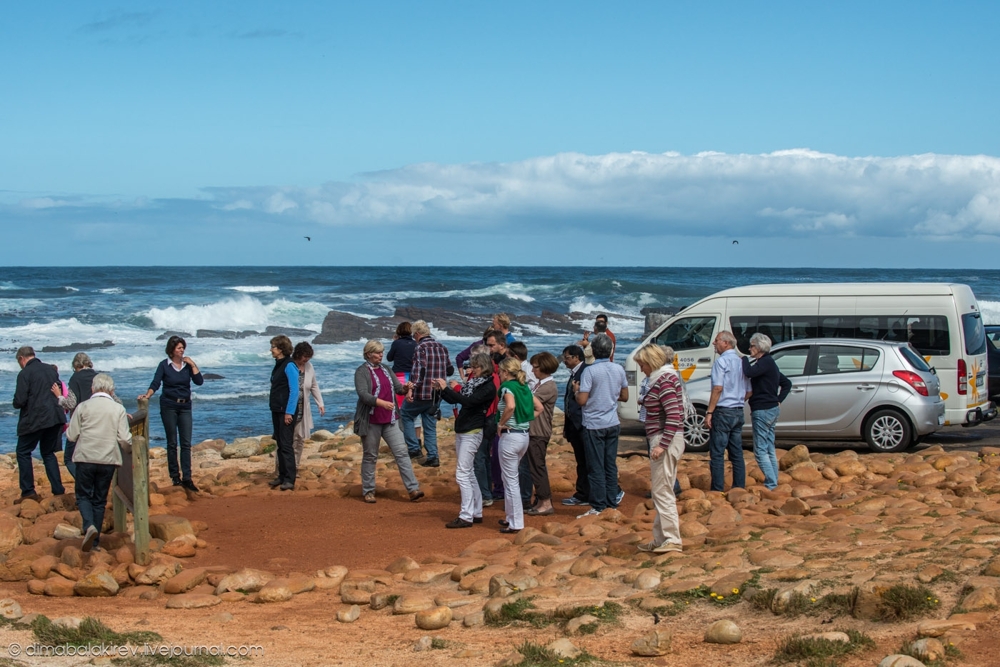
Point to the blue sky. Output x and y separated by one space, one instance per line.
227 131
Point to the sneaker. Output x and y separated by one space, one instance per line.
431 463
370 497
287 486
458 523
667 547
487 502
274 483
414 495
590 512
175 482
189 485
414 455
619 497
573 500
88 539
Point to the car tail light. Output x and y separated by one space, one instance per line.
963 378
913 380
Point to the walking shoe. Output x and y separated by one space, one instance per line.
30 496
590 512
477 519
487 502
274 483
415 495
667 547
175 482
431 463
458 523
189 485
503 522
534 512
508 530
648 547
573 500
619 497
370 497
88 539
287 486
414 455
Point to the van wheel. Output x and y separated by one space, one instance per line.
695 432
888 431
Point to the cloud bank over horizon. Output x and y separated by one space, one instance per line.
784 194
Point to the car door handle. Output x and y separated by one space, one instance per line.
797 390
866 387
704 360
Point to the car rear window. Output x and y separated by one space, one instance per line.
914 359
975 333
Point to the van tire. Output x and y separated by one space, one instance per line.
888 431
695 432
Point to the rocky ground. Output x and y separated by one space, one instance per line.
882 553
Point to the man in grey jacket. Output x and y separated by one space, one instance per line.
99 426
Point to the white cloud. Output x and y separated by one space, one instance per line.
789 192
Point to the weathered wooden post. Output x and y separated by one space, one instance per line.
131 485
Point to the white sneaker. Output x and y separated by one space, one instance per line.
590 512
88 539
668 547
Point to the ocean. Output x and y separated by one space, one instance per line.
130 307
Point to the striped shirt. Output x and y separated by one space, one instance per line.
664 405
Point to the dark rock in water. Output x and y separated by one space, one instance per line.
78 347
167 334
213 376
288 331
340 327
228 335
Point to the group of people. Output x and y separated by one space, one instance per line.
504 408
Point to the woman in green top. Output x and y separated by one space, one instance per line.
519 408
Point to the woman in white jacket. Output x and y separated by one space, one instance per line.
98 427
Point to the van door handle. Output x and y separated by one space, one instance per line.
866 387
704 360
797 390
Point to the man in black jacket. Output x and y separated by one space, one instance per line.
573 356
40 422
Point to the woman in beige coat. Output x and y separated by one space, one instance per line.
301 355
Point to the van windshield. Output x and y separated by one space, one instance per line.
975 334
689 333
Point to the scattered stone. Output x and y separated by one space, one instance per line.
425 643
166 527
350 614
723 632
244 581
655 643
68 622
66 532
434 618
185 581
98 584
276 590
242 448
898 660
564 648
192 601
928 649
10 609
474 619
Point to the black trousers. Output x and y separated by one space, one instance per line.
285 452
575 438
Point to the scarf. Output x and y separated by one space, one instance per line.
374 370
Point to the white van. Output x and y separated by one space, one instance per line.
942 321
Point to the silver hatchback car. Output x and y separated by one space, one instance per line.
844 389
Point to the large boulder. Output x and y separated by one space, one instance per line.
166 527
11 534
242 448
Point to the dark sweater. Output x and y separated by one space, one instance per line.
770 387
176 384
472 416
80 383
401 354
34 398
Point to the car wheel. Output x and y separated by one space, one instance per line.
888 431
695 432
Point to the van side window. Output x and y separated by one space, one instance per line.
689 333
845 359
975 333
778 328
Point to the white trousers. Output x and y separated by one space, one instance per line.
466 446
513 447
663 472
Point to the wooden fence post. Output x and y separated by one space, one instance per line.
131 485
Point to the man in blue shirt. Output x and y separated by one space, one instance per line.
600 388
730 389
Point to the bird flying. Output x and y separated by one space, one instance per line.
307 238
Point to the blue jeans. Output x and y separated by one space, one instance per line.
602 466
68 458
427 411
93 482
49 440
727 436
763 444
177 422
